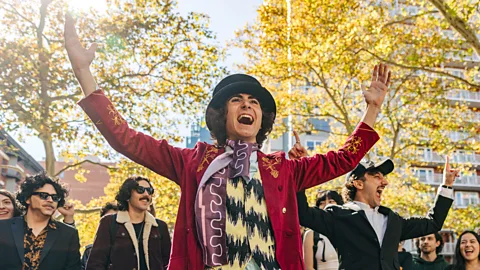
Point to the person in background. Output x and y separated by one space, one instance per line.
318 251
8 205
108 209
467 255
132 238
404 257
35 240
428 250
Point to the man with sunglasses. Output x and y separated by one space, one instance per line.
36 241
133 238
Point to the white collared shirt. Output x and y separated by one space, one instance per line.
379 221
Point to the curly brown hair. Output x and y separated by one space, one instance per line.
219 125
35 182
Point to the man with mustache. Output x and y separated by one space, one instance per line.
36 241
237 206
132 238
365 233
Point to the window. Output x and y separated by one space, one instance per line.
424 175
312 145
425 154
464 198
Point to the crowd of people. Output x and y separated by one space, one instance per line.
239 208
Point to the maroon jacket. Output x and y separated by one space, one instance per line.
124 252
281 179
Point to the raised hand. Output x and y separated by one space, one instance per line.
297 151
79 57
68 212
449 174
375 95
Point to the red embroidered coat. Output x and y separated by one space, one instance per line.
281 179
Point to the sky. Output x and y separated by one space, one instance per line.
226 16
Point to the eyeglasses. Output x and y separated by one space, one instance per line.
141 190
44 196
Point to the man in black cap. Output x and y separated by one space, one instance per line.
237 206
365 233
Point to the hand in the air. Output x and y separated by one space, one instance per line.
80 58
449 174
68 212
297 151
375 95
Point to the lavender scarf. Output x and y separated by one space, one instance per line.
210 202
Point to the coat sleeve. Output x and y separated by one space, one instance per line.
73 260
166 244
100 252
157 155
312 171
433 222
321 221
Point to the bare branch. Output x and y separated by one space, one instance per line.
403 20
82 162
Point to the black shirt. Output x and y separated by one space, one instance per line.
139 233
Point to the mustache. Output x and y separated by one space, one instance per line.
145 197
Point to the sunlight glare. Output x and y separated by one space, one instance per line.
85 5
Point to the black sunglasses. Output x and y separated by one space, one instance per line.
141 190
44 196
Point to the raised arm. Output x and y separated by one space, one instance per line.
320 168
433 222
156 155
314 218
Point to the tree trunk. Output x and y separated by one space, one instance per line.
458 24
49 156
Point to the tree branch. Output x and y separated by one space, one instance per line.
458 24
403 20
80 163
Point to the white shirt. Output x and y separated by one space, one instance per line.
379 221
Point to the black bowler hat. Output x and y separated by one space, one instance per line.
385 167
240 84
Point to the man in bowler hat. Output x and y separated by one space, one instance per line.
237 206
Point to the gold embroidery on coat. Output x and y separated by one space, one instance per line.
354 144
116 118
209 155
269 164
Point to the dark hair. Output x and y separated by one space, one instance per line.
438 238
107 207
349 190
35 182
458 259
16 208
219 125
326 195
125 191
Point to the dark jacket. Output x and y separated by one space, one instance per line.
61 250
439 264
124 253
405 259
358 247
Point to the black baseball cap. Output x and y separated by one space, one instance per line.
385 167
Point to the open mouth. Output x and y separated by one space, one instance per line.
468 251
4 212
379 192
245 119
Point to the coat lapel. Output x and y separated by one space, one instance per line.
211 152
390 226
17 229
359 212
52 236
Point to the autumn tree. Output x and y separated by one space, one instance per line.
149 55
316 60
